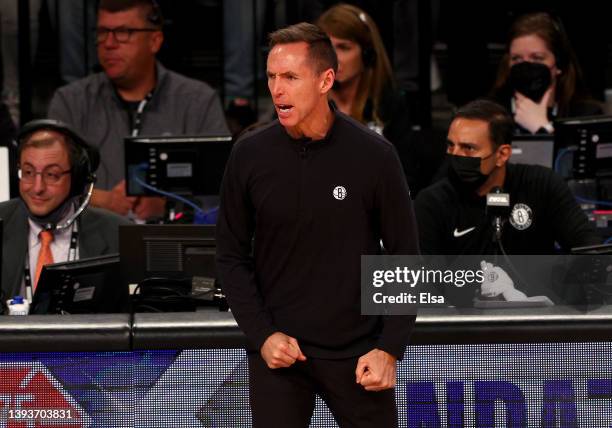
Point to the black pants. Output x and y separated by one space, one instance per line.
286 397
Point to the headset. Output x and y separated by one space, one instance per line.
155 17
84 161
561 57
87 158
368 54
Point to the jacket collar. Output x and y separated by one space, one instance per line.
326 140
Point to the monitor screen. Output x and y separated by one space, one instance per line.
1 259
90 285
592 138
172 251
5 182
188 166
533 150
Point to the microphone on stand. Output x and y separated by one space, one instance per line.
498 208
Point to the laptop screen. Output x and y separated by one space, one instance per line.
81 286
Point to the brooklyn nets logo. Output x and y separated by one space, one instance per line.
339 192
492 276
521 217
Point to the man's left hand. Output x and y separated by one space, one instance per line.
376 370
148 207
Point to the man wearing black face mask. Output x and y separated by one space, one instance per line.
451 214
55 165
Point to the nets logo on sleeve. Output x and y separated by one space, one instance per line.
31 396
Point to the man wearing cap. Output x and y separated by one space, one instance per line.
50 221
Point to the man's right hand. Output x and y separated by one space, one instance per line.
280 350
530 114
114 200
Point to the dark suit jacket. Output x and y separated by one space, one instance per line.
98 235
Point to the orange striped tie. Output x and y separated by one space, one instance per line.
45 257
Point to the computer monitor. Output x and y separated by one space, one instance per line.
5 168
1 245
177 260
592 137
186 165
533 150
82 286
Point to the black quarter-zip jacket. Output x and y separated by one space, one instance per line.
313 208
453 221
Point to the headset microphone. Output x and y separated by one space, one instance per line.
66 224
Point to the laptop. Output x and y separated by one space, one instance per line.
81 286
533 150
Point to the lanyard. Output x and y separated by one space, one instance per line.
72 254
137 125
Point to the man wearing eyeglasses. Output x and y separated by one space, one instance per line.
54 171
134 95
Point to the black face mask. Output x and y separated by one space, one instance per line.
531 79
466 170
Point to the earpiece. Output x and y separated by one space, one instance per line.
368 56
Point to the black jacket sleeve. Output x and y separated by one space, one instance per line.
235 264
400 236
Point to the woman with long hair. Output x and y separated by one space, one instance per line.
364 70
365 89
539 78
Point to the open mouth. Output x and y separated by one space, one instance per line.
284 108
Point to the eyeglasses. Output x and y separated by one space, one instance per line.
121 34
49 175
